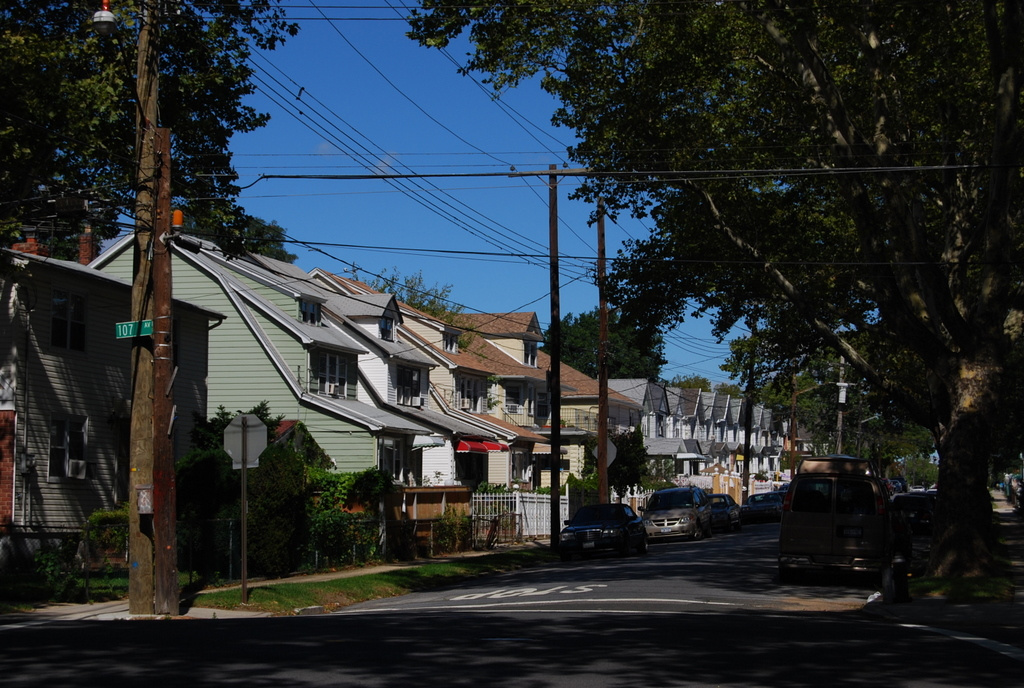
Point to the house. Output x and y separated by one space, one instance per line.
690 431
287 341
65 393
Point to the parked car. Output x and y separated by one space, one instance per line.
678 511
766 506
602 527
725 512
918 509
837 516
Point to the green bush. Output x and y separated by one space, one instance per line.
452 531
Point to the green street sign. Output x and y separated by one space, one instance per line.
134 328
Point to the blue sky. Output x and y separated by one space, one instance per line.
353 95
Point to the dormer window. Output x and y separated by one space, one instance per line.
451 342
530 354
310 312
387 328
331 375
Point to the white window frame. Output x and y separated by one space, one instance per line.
451 342
311 312
69 437
407 386
386 328
530 354
332 369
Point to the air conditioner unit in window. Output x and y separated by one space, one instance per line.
512 408
77 469
332 389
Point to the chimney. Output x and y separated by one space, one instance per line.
88 249
31 245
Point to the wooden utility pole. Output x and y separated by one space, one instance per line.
140 526
602 364
555 377
164 498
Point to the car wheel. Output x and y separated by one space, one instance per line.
698 532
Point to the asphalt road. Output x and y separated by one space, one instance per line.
686 614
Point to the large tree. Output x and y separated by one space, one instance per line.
68 106
845 174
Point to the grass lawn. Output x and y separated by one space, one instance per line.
287 596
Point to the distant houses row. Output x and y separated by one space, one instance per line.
376 382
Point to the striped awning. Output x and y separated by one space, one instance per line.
481 446
421 441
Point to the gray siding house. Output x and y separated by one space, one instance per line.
65 390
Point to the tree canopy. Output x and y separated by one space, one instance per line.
414 291
630 354
843 175
68 110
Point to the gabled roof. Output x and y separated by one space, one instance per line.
518 325
634 389
582 385
86 272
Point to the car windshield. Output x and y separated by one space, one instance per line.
671 500
718 501
598 513
763 499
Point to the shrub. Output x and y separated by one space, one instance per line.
452 531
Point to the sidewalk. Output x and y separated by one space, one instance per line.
936 611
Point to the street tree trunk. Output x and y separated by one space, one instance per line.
963 540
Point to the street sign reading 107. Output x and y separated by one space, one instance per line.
134 328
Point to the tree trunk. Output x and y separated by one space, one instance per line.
963 538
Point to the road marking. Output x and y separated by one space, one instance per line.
532 605
1002 648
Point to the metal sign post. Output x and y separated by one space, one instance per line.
245 435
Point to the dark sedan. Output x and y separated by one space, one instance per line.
918 509
725 512
603 527
766 506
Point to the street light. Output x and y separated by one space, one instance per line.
103 22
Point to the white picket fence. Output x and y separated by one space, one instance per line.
532 510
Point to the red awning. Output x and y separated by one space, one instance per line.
482 446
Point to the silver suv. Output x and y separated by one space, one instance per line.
678 511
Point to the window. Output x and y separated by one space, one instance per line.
387 328
451 342
331 375
470 393
407 390
543 410
513 399
394 460
67 448
530 353
67 323
311 313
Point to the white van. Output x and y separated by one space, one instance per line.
836 515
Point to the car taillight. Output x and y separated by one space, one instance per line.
787 501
